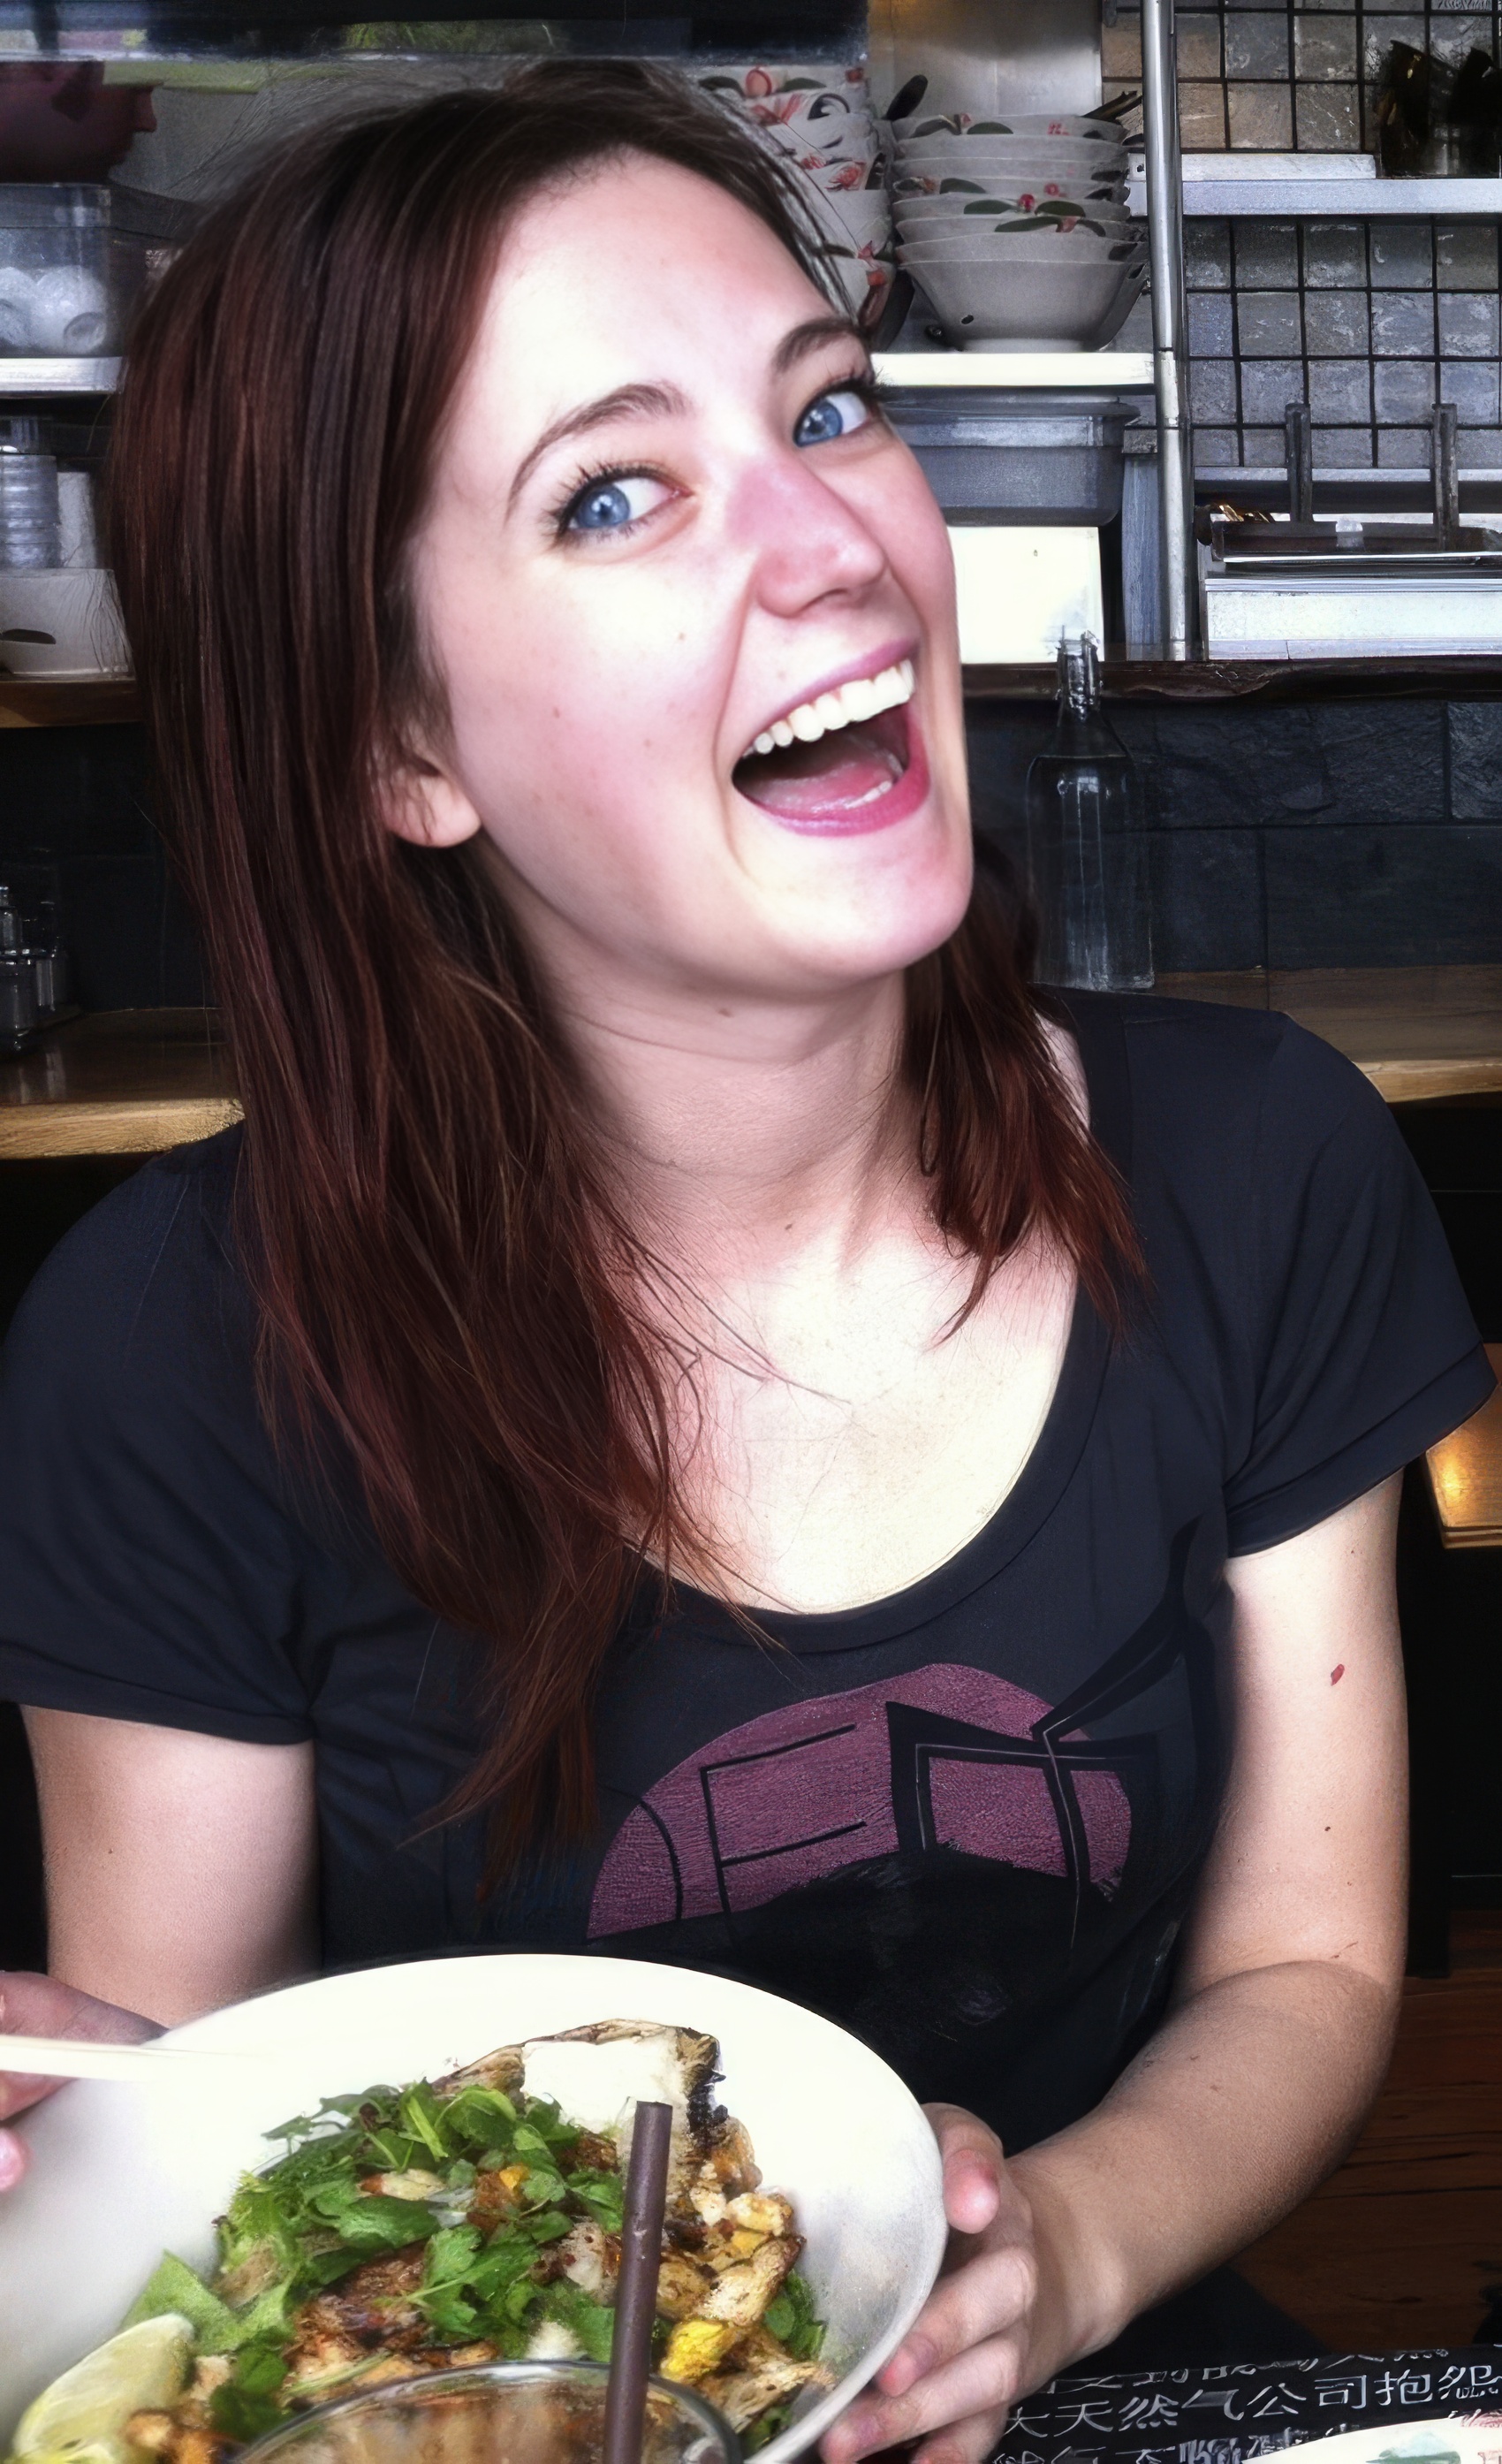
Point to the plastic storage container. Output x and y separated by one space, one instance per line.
30 529
56 295
1016 455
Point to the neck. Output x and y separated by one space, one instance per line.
743 1128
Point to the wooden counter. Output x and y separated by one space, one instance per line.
1466 1475
129 1082
121 1082
1419 1033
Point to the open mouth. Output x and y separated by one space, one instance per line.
839 763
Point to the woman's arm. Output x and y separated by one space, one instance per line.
180 1874
1257 2082
180 1867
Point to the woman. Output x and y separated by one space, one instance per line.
654 1160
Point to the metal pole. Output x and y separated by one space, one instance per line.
1170 372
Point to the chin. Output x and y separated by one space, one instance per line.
887 915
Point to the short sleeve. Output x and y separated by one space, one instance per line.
1364 1349
148 1569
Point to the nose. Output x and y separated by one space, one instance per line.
809 541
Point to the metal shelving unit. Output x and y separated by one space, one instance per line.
59 375
1345 186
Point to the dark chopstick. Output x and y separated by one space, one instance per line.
636 2292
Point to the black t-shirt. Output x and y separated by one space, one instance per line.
966 1820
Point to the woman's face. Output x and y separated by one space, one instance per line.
668 527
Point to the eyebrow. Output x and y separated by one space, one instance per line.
666 401
627 401
808 338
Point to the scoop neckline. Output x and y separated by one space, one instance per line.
1094 1020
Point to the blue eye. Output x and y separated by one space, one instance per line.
615 504
834 414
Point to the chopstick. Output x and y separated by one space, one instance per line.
636 2288
75 2057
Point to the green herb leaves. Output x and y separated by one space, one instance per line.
792 2318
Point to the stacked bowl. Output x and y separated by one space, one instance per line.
816 116
1016 229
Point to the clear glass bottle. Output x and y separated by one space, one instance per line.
51 971
17 985
1087 850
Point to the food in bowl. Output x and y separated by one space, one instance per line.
458 2222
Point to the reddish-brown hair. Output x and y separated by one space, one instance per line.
445 1277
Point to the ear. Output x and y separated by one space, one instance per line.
423 803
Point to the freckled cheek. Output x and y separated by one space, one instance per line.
585 724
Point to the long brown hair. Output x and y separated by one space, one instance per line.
445 1277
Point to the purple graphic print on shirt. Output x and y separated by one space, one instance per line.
946 1757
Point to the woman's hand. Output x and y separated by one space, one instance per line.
989 2331
39 2006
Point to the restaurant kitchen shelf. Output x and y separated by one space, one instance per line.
132 1082
59 375
1327 185
1055 372
112 701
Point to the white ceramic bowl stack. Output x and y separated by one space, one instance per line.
817 117
1016 229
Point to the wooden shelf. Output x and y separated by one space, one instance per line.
113 701
132 1082
70 701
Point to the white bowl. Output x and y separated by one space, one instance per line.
1078 127
974 161
1020 306
758 78
933 216
119 2174
1022 248
950 189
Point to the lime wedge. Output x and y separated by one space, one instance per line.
143 2367
94 2451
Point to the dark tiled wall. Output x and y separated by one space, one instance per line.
75 797
1322 834
1353 833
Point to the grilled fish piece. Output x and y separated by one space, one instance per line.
597 2074
501 2070
683 2284
759 2373
741 2292
371 2306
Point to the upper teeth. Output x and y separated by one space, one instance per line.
845 706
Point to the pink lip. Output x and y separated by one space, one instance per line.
890 654
901 798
